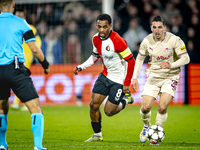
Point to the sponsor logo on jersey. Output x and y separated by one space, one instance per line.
183 48
108 57
167 49
108 48
163 58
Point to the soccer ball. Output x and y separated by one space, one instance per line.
155 134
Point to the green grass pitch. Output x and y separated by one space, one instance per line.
67 127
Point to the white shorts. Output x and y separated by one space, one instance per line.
154 86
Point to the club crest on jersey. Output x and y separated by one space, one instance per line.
151 48
167 49
183 48
108 48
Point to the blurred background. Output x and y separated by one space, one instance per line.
66 28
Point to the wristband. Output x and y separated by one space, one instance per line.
45 63
79 68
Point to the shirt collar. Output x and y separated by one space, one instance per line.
6 13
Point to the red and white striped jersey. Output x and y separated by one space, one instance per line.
118 61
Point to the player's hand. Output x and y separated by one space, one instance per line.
76 70
126 89
46 71
135 85
165 64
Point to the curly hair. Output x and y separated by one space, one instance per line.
104 17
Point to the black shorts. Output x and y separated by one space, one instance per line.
18 80
104 86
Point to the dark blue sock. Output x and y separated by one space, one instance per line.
37 129
3 129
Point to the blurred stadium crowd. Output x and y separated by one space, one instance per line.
66 28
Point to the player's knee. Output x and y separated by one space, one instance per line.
145 109
34 106
162 109
109 113
93 106
33 109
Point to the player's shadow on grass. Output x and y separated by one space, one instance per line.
183 144
19 130
119 142
163 144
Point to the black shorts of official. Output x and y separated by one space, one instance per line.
104 86
18 80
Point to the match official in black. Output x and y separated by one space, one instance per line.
14 75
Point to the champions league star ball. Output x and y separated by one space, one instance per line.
155 134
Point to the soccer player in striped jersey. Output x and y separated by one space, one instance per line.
115 79
14 75
167 54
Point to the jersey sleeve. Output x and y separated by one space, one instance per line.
125 53
95 43
140 58
119 43
94 49
143 48
122 48
181 53
130 69
180 47
27 32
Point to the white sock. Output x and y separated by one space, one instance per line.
160 119
98 134
146 118
126 100
120 106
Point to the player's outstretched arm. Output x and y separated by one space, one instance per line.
37 52
183 60
89 62
138 65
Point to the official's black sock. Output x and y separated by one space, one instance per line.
96 126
